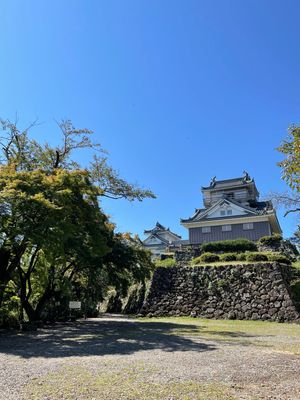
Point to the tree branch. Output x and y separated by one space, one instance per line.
291 211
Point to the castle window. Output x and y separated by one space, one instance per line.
223 212
206 229
246 227
226 228
229 212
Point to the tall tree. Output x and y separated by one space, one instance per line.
49 209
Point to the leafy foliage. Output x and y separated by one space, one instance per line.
227 246
206 257
281 258
241 256
256 256
290 166
228 257
270 240
291 163
56 243
247 256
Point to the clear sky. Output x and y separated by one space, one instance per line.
176 91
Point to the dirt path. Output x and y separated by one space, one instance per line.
122 358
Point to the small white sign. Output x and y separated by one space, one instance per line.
75 305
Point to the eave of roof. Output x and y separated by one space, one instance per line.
229 221
157 236
239 181
215 205
161 229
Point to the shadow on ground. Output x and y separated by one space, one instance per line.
100 337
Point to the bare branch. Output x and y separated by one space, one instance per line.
291 211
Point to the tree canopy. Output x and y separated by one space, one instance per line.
290 166
55 240
291 163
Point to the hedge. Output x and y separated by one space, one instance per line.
248 256
227 246
270 240
228 256
206 258
241 257
281 258
256 257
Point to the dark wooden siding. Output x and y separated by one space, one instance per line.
260 229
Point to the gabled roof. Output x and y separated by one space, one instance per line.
160 228
157 236
259 208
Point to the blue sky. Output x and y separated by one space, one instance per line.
176 91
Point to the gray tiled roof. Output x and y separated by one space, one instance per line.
157 236
160 228
258 208
220 184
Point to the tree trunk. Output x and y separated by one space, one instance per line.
9 263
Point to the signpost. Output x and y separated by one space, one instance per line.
75 305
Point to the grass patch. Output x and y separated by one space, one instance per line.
76 382
167 262
272 336
296 265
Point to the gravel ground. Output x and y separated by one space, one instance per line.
150 350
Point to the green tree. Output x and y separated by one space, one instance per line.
290 166
50 218
291 163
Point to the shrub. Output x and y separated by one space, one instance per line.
270 240
167 262
226 246
241 257
295 289
9 312
256 257
281 258
208 257
196 261
228 257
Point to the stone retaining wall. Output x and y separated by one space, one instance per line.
256 291
187 254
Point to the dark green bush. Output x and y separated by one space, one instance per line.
270 240
256 257
209 257
228 257
227 246
9 313
241 257
295 289
281 258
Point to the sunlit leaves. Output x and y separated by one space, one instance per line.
291 164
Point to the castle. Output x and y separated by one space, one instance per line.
232 210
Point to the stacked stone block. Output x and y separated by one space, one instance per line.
256 291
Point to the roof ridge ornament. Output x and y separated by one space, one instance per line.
246 176
213 181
